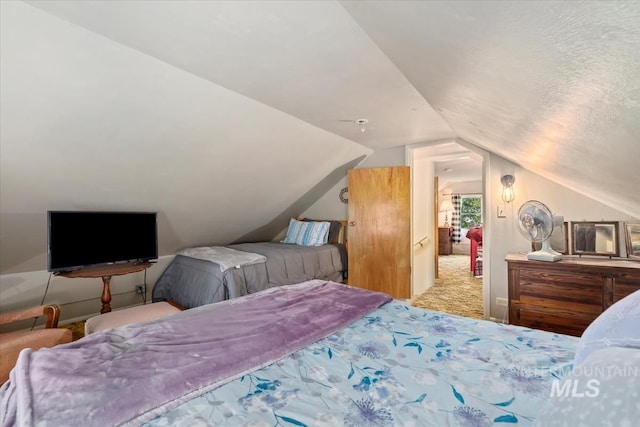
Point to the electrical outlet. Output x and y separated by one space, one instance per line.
140 289
502 302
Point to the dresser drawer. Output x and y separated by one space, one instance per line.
566 296
566 287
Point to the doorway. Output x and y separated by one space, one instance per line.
454 171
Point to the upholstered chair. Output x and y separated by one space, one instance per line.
11 343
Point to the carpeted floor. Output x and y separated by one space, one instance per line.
456 291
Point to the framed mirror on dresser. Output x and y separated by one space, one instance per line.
595 238
632 239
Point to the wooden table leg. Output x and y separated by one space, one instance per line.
106 295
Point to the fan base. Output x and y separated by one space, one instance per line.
544 256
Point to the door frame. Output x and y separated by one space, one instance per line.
486 211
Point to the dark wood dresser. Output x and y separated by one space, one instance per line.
567 295
445 244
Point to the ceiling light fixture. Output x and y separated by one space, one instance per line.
361 123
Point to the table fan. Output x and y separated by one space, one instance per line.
536 223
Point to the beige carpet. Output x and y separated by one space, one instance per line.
456 291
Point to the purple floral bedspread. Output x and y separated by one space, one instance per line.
397 366
129 375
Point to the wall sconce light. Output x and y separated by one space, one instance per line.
507 188
445 207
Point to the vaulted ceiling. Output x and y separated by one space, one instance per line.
200 109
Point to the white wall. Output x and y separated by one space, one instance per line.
90 124
422 200
78 298
329 206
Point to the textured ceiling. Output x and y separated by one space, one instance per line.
551 86
309 59
160 105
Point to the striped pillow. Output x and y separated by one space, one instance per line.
307 233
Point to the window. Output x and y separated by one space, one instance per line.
470 211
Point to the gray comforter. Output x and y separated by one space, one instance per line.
192 282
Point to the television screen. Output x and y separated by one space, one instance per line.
79 239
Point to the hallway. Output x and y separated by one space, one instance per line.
455 291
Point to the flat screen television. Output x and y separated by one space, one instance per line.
78 239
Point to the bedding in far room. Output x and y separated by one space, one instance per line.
310 250
192 282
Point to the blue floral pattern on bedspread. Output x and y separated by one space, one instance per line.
399 366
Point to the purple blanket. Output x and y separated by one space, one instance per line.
129 375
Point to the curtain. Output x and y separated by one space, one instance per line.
455 217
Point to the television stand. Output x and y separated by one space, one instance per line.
105 272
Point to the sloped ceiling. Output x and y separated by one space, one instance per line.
308 59
222 115
551 86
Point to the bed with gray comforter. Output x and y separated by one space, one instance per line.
191 282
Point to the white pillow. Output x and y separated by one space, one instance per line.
617 326
307 233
